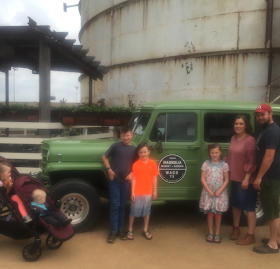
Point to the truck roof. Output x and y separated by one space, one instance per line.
204 104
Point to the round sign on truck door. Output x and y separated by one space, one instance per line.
172 168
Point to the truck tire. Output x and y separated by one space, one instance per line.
79 202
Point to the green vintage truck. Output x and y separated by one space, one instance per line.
178 133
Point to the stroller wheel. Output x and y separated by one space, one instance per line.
53 243
31 252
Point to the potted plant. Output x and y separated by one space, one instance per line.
96 114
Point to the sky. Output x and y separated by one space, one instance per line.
44 12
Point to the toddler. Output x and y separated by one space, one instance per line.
5 178
50 217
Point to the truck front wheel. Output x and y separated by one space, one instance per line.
261 220
79 202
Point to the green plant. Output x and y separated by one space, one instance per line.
14 108
2 107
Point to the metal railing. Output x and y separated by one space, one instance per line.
269 91
25 140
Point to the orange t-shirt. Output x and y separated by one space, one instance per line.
144 174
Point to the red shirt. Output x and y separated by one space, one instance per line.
242 158
144 174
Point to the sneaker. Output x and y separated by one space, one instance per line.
111 238
246 240
235 233
122 235
265 249
27 219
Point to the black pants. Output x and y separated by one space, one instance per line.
57 221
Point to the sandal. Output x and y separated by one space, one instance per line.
209 238
146 234
130 235
217 238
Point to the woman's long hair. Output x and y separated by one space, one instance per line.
248 126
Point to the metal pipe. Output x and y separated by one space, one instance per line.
7 86
278 97
14 87
90 91
65 6
270 51
7 131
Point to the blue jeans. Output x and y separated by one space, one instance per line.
118 198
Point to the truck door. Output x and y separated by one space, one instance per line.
180 160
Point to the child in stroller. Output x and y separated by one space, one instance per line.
14 227
49 216
5 179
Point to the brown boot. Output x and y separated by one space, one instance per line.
246 240
235 233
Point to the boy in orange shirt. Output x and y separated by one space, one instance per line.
143 189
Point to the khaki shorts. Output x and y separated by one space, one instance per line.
269 194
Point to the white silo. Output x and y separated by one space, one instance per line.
176 49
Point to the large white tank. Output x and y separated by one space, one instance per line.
176 49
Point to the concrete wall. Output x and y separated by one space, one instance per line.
176 49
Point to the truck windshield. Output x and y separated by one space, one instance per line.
139 122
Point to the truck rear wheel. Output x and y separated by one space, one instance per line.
79 202
261 220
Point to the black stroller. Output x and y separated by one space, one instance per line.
13 225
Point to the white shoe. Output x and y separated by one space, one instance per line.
27 219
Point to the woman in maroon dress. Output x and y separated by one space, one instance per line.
242 162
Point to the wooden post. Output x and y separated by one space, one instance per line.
7 95
44 86
89 90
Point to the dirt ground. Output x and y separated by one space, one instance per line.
179 242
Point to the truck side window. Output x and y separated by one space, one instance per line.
219 127
181 127
158 131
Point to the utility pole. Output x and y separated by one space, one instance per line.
14 87
76 93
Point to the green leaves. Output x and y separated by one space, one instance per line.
14 108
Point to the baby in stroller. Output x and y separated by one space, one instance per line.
27 189
49 216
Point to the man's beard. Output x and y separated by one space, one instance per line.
264 124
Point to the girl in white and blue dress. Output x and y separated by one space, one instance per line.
214 196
